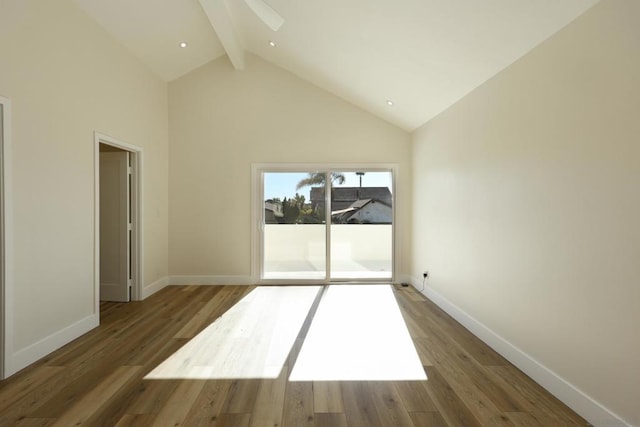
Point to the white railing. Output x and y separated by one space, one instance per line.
357 250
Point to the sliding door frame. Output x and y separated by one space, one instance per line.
257 215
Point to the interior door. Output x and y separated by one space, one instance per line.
115 226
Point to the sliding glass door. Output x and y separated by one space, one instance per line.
294 231
362 226
307 236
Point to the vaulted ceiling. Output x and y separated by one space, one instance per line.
420 55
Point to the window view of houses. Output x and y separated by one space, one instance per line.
295 242
360 204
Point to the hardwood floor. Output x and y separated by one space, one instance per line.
98 378
252 339
358 334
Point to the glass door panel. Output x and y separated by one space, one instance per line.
294 234
361 225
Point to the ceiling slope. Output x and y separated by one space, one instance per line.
422 55
153 30
218 14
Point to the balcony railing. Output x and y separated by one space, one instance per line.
358 251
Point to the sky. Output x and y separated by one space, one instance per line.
283 184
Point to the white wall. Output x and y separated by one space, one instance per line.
527 207
222 121
67 78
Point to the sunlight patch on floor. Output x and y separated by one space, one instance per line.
358 334
251 340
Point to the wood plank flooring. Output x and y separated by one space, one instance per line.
252 339
98 378
358 333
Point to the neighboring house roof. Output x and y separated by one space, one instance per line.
344 197
358 204
344 215
275 208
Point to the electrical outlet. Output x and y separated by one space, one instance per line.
425 274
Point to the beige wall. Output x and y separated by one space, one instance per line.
527 205
222 121
67 78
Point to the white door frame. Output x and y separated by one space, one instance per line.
137 235
6 243
257 211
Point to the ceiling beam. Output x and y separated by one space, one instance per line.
220 19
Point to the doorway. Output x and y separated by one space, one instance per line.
324 224
118 228
115 224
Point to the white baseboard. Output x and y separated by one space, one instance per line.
154 287
211 280
403 278
26 356
570 395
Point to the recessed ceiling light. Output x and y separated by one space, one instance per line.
272 43
389 103
183 44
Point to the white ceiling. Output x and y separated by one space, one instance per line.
424 55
